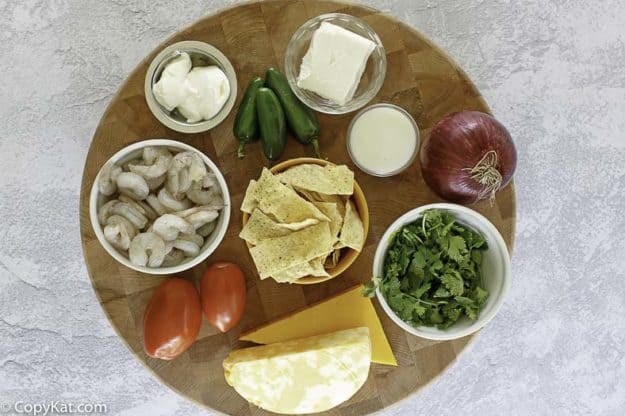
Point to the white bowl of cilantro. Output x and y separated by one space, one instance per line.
441 271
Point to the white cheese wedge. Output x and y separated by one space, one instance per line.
301 376
334 63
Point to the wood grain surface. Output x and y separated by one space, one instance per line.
420 78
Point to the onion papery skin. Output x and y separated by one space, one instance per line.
456 144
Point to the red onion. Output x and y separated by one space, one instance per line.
469 156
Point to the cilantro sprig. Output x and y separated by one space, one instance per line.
432 273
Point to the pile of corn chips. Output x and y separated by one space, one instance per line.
300 221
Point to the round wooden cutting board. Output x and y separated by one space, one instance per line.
420 78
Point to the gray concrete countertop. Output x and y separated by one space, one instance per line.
553 73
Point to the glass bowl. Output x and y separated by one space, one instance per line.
201 54
371 80
399 169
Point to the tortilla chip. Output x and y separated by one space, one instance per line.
282 202
313 267
308 195
331 210
340 200
277 254
317 265
333 259
327 180
250 200
261 227
352 233
296 226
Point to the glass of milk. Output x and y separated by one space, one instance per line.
383 140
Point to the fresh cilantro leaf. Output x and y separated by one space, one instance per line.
435 316
418 314
405 313
449 322
415 271
476 257
441 292
392 286
419 310
471 312
480 295
464 301
392 271
410 237
433 218
436 266
473 239
401 305
449 223
417 293
453 313
404 259
369 290
454 283
456 248
418 259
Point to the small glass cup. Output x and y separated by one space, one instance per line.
371 80
400 168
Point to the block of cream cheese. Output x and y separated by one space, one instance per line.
334 63
302 376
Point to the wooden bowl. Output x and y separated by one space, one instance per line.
348 255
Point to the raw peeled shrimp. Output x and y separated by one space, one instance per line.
168 227
147 249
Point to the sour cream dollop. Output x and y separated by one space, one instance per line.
198 93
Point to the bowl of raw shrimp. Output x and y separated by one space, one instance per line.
159 206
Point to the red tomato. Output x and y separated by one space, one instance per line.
222 290
172 319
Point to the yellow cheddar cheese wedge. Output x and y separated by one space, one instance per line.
301 376
346 310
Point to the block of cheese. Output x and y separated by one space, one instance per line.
334 63
345 310
301 376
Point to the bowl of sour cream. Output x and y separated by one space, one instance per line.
383 140
190 87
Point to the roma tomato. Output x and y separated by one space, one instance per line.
222 290
172 319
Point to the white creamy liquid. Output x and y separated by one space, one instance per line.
382 140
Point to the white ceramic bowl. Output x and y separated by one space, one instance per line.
496 271
210 243
208 55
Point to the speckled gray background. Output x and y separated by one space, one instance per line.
553 72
